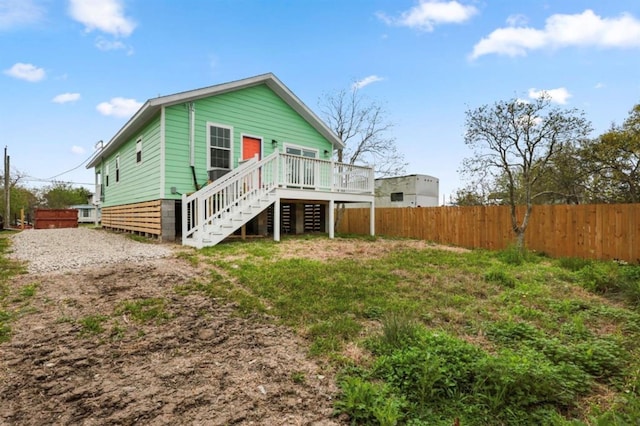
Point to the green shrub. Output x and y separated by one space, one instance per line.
600 277
517 381
573 263
398 330
512 255
630 284
436 366
368 403
500 277
515 256
602 358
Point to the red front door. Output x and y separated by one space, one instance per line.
251 147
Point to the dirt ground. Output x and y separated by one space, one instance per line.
201 366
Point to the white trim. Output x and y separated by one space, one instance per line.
162 152
117 164
139 150
208 144
192 133
286 145
246 135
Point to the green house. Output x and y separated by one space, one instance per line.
240 157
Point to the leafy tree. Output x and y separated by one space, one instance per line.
61 195
517 142
614 161
20 197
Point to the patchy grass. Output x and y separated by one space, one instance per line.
92 324
145 310
8 269
501 338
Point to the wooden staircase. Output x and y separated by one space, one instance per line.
219 209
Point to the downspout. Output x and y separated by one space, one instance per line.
192 141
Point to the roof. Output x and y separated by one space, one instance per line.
153 106
407 176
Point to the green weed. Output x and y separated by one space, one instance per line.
145 310
368 403
501 277
92 324
298 377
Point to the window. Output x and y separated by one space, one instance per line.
106 175
139 150
117 168
99 196
219 151
397 196
301 171
304 152
86 213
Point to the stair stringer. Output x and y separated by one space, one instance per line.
217 231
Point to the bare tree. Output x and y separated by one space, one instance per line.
517 141
362 125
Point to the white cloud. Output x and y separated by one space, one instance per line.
26 72
119 107
63 98
106 45
103 15
517 20
77 150
559 95
584 29
429 13
599 86
366 81
16 13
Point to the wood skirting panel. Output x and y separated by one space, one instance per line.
143 218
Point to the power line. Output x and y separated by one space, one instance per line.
34 179
70 170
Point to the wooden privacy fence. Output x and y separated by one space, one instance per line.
593 231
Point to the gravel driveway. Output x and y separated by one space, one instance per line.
67 250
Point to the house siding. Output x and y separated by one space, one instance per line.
255 111
138 181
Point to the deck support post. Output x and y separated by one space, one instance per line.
276 220
332 225
372 220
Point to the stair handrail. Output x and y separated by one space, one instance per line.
193 208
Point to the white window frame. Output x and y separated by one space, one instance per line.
106 174
208 145
139 151
301 148
118 168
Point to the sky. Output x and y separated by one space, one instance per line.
72 72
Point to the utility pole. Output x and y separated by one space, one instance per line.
7 193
